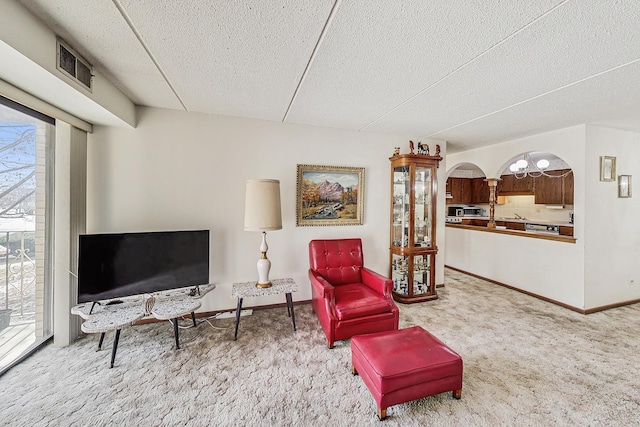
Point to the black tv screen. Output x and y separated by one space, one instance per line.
118 265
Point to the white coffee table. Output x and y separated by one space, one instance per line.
112 317
167 305
172 308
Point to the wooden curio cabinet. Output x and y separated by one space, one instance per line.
413 227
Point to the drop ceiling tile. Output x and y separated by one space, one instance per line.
377 54
442 68
98 32
574 42
598 100
234 58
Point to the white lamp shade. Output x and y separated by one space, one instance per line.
262 210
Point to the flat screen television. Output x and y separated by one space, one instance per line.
111 266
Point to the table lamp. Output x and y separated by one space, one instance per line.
262 213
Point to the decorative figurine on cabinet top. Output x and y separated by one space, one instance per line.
437 151
410 147
396 151
423 149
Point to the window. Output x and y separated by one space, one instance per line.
26 189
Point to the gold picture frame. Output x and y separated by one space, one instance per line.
329 195
607 168
624 186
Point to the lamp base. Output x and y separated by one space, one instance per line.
264 285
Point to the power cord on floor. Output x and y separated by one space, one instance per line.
199 322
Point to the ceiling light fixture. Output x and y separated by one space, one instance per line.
526 167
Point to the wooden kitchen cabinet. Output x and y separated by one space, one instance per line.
467 191
515 186
460 190
554 191
505 185
479 191
523 185
567 183
546 190
413 226
514 225
565 230
454 187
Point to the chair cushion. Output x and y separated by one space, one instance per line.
355 300
339 260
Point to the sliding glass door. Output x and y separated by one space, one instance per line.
26 189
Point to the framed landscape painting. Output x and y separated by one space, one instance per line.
329 195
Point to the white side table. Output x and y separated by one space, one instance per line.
248 289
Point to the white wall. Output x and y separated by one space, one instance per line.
188 170
612 225
550 269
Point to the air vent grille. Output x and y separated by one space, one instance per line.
73 66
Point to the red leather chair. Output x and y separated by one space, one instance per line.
348 298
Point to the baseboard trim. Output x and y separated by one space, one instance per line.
495 282
561 304
610 306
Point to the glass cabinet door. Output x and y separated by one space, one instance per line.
400 220
421 274
400 274
422 210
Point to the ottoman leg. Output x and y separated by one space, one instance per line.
457 394
354 371
382 413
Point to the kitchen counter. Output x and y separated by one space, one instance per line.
529 220
516 227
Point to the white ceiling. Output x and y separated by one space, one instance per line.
471 72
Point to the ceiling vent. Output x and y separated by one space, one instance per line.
73 66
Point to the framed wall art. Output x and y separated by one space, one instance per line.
329 195
607 168
624 186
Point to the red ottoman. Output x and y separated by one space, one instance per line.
403 365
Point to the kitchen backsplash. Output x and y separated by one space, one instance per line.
525 206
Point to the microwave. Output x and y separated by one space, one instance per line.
464 211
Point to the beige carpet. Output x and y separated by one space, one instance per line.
526 363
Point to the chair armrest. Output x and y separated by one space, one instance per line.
377 282
321 286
